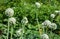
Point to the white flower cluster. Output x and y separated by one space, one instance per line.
53 26
24 21
52 15
9 12
48 24
37 4
58 12
12 20
18 32
44 36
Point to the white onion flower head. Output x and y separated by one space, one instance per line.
12 20
18 32
24 21
37 4
58 12
46 23
53 26
52 15
9 12
44 36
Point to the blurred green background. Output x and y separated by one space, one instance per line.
27 8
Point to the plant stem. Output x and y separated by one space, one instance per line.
8 31
23 27
44 30
11 32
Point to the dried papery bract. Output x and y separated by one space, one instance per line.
9 12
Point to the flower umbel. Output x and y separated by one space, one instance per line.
53 26
9 12
46 23
58 12
37 4
12 20
44 36
24 21
19 32
52 15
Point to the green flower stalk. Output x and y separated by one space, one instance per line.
53 26
11 32
45 25
24 22
9 12
12 21
8 31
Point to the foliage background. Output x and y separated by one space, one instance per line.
29 10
